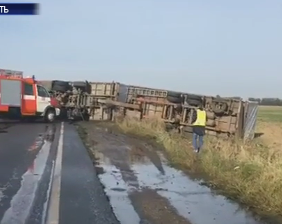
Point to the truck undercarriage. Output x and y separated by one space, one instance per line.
104 101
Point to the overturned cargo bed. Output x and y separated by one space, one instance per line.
106 100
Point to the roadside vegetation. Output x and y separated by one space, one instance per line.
250 172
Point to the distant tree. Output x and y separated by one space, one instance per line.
267 101
255 99
271 102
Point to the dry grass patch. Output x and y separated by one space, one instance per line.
272 133
270 125
251 173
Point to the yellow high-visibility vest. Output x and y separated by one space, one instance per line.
201 118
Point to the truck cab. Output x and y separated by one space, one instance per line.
24 98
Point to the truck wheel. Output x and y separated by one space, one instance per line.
193 102
50 116
174 94
219 107
174 99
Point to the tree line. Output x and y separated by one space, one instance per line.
261 101
267 101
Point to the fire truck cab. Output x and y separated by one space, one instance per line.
24 98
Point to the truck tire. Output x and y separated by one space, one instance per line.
50 115
174 94
193 100
79 84
173 99
60 86
194 97
219 107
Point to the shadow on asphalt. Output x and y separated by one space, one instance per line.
4 127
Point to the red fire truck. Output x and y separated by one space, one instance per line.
24 98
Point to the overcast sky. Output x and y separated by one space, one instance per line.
200 46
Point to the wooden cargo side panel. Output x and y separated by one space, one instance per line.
103 89
229 124
148 93
226 124
153 110
144 91
235 107
151 100
152 106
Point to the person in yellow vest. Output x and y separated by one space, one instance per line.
199 128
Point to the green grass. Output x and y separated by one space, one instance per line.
270 113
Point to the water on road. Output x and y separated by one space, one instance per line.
140 183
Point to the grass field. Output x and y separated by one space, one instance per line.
250 173
270 114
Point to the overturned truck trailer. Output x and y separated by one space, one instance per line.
86 100
225 115
104 100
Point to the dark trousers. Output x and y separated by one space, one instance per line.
198 137
198 141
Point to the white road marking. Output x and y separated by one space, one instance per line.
46 203
54 206
21 202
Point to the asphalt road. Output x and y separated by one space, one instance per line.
47 176
42 167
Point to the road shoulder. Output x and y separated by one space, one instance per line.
82 196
